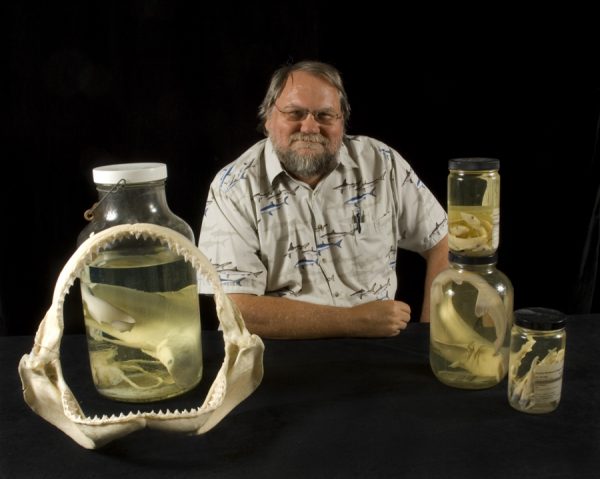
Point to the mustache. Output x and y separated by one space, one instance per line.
308 137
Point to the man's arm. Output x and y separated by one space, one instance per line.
283 318
437 261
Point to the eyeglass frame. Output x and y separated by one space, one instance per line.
305 112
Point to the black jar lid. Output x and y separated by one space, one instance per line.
472 260
474 164
540 319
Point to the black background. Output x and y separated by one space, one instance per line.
93 83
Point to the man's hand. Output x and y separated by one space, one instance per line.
381 318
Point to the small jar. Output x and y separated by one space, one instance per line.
474 206
471 307
140 300
536 362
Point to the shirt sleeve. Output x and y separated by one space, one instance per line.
422 221
229 239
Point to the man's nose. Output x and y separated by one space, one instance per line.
310 125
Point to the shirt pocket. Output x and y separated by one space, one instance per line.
366 242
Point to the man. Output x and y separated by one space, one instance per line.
303 228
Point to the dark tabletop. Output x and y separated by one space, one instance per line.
326 409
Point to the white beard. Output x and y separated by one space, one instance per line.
307 165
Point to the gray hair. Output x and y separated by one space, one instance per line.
323 70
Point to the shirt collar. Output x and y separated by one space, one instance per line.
274 168
344 156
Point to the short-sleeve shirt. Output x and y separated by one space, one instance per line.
267 233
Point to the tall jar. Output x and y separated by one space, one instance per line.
471 316
537 355
140 300
474 206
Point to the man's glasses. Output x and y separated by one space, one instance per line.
323 117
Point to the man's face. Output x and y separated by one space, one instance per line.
306 147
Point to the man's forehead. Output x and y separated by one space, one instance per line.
300 83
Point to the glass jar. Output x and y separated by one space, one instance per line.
140 299
471 316
474 206
537 354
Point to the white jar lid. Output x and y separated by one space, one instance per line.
130 172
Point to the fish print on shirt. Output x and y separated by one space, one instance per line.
408 178
323 246
306 255
274 198
298 249
284 292
272 206
377 292
437 227
388 155
232 275
306 262
231 177
358 186
361 197
360 190
333 234
275 194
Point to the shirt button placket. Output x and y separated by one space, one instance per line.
324 253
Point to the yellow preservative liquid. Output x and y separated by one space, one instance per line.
142 323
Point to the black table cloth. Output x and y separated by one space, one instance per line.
326 409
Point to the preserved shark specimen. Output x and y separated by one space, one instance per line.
468 346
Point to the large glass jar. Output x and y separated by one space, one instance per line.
471 316
140 299
474 206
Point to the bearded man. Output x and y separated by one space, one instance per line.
304 227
